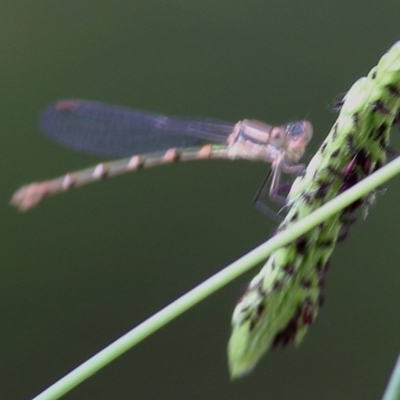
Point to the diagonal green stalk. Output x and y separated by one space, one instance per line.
341 165
392 391
211 285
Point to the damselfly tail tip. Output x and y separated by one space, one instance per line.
28 197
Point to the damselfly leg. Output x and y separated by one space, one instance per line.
275 189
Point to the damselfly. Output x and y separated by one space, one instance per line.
149 139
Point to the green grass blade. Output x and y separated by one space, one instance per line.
283 300
392 391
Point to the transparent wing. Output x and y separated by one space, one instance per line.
117 131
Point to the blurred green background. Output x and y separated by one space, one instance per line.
85 267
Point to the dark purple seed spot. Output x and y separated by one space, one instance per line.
354 206
337 105
379 106
350 143
289 269
306 283
294 217
396 120
287 334
349 168
252 325
335 153
334 134
277 285
307 318
307 199
393 89
260 289
260 309
323 187
334 171
347 219
382 129
325 243
367 165
301 244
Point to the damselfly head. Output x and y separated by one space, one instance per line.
298 135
